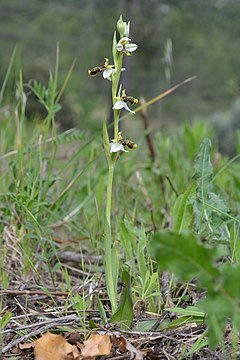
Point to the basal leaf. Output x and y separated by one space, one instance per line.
124 313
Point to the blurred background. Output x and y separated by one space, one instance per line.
177 39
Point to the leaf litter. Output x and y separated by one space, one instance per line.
36 312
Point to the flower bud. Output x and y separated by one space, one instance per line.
121 27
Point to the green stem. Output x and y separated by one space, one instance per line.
21 124
109 192
115 83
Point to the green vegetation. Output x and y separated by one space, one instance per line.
205 42
176 211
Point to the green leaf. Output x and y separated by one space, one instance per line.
203 168
223 304
124 313
183 210
182 254
199 344
125 237
101 310
4 279
235 243
179 322
188 311
143 326
185 256
4 320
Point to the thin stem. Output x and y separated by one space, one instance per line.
116 121
109 192
20 129
115 83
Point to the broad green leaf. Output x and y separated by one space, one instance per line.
124 313
143 326
188 311
179 322
203 168
223 304
183 210
185 256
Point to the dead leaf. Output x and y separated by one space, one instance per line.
54 347
27 345
126 346
73 338
96 345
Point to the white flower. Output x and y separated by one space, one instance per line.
116 146
131 47
120 104
107 73
125 46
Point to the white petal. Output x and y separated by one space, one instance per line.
107 73
127 108
131 47
115 147
123 69
119 47
119 105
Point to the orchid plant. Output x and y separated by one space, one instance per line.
121 47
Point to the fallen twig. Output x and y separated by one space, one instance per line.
63 321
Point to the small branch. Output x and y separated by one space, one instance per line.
34 292
172 186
